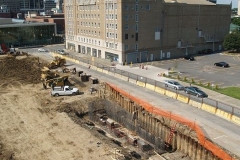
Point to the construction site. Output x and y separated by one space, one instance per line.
101 122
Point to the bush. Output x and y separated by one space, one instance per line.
192 80
208 84
185 79
178 77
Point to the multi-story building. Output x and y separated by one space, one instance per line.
13 5
49 5
144 30
5 11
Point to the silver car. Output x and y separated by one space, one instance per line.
173 84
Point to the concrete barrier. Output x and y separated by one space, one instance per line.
94 67
195 104
99 69
118 75
105 71
160 90
223 114
208 108
150 86
124 78
139 83
171 94
134 81
111 73
235 119
182 98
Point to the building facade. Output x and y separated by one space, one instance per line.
22 33
138 30
49 5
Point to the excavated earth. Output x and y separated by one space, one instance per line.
36 126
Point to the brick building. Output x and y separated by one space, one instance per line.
140 30
58 19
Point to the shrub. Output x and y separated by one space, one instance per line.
178 77
185 79
208 84
192 80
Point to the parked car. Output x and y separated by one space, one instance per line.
61 51
221 64
42 50
195 91
209 51
173 84
189 57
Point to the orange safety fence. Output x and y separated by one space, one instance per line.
217 151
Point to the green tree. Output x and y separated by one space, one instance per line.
234 11
236 21
232 41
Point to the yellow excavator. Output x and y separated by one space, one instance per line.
57 62
59 81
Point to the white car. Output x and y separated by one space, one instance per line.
173 84
42 50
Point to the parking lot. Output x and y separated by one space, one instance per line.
203 69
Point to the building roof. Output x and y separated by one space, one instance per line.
199 2
8 22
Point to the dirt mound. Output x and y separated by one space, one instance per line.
23 69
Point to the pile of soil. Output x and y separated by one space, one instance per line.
23 69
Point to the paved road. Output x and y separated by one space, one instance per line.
220 131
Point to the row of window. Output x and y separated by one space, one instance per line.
89 32
111 26
126 47
111 16
134 26
111 35
111 5
88 7
89 24
89 16
111 45
90 41
136 7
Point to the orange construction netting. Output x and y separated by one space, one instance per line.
217 151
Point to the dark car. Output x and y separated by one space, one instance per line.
221 64
195 91
209 51
189 57
204 51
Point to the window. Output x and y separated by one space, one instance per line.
126 26
126 7
116 35
136 36
126 17
107 25
116 26
148 7
136 27
136 47
136 1
136 7
136 17
107 34
157 29
126 47
126 36
116 16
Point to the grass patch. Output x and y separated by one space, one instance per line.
231 92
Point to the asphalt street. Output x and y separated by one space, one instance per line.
220 131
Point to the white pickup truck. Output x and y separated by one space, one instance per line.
64 91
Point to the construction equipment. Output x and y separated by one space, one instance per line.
57 62
48 74
67 70
59 81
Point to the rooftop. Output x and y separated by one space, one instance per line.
201 2
8 22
